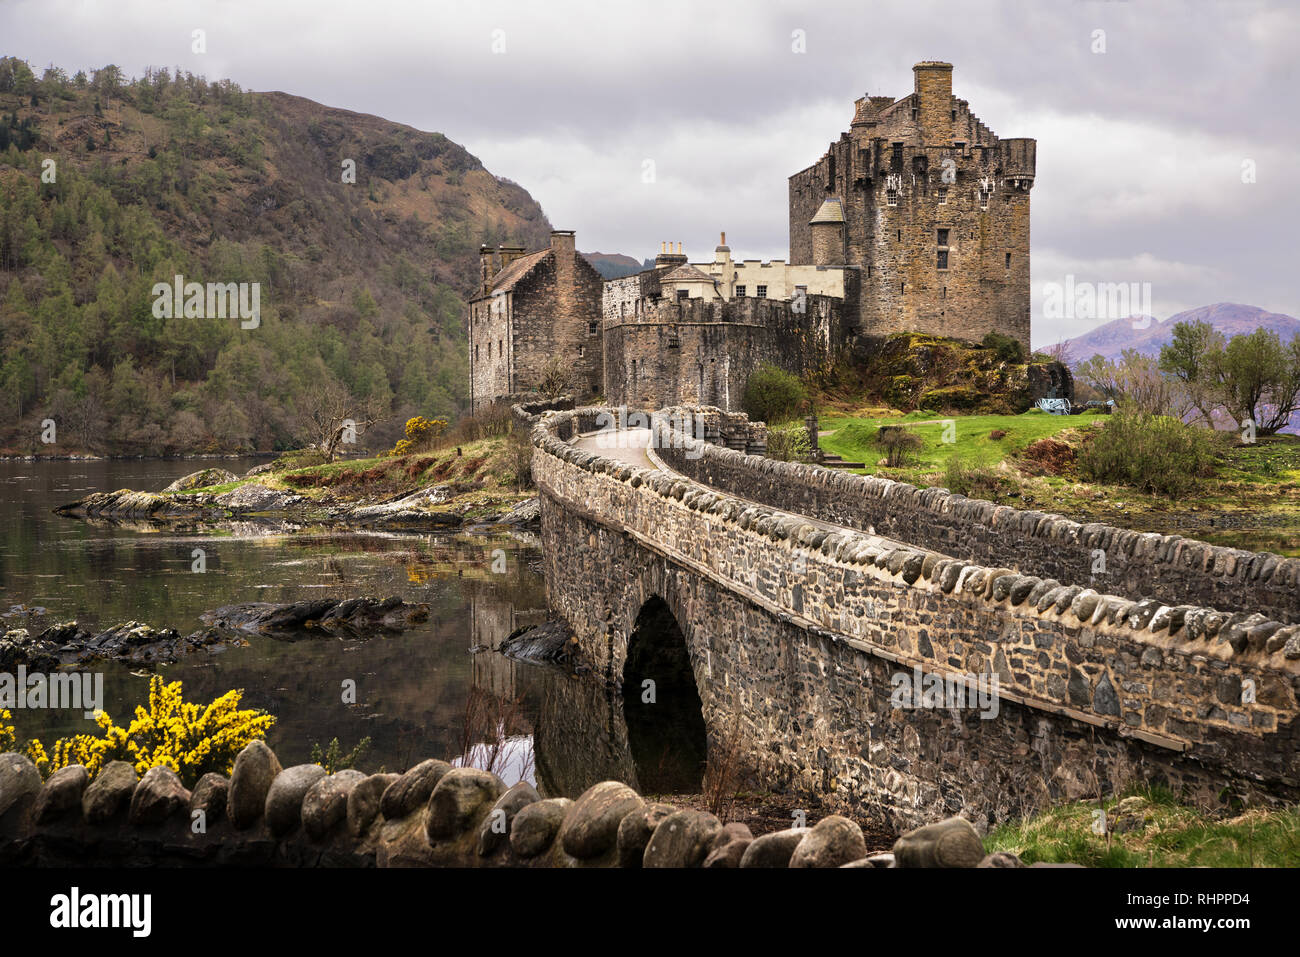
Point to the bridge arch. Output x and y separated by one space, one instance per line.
662 706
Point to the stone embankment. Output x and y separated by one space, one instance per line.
434 815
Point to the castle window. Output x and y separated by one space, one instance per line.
1008 260
593 328
762 292
943 237
740 292
896 161
943 195
943 259
476 352
891 196
683 294
501 348
580 350
900 235
959 147
915 112
984 199
943 293
954 114
902 287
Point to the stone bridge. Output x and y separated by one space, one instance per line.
836 635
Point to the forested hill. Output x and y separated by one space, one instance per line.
361 284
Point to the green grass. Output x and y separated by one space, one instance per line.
852 438
1166 834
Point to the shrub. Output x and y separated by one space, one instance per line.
490 422
1049 456
519 453
970 478
190 739
773 395
1007 348
332 758
789 444
1153 453
900 445
421 433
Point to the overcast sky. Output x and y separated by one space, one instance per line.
1140 147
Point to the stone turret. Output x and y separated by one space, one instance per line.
828 234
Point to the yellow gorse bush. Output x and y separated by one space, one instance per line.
419 433
7 739
190 739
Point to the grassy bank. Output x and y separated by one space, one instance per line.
1149 828
484 476
1252 499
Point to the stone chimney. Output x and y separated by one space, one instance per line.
510 253
563 244
932 84
667 257
487 268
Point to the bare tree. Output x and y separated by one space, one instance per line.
333 416
1062 352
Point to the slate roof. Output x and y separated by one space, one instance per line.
508 278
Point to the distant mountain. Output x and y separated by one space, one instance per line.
1147 334
613 265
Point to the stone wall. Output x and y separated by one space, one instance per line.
797 635
1177 570
433 815
703 352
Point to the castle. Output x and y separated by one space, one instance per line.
915 220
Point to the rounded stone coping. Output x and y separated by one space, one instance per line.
1225 634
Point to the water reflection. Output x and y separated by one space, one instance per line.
437 690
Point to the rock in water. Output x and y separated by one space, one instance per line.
201 479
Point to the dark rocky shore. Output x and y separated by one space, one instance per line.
68 644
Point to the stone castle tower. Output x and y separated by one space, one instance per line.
931 206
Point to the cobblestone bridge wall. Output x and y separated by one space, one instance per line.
800 638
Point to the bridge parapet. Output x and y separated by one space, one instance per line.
1172 568
1170 678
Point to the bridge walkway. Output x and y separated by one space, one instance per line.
632 447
